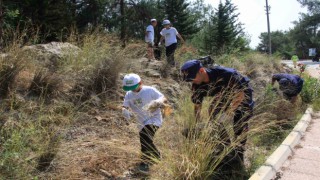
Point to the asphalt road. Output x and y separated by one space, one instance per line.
309 63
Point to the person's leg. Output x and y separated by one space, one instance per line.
241 126
148 149
150 51
170 50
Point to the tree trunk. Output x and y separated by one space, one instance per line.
123 25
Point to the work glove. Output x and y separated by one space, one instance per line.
226 120
126 113
225 117
154 105
159 44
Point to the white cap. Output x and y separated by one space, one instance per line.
166 22
153 20
131 82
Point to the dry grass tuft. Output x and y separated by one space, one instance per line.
45 84
9 69
101 81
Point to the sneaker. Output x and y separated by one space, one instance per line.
144 167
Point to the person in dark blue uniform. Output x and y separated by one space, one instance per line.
232 97
290 85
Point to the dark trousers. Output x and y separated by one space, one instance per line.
232 167
148 149
170 53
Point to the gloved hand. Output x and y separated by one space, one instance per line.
159 44
154 105
226 121
225 117
126 113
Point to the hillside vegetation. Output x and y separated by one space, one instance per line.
60 115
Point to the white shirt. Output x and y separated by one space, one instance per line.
136 101
170 35
150 36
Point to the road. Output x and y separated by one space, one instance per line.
313 68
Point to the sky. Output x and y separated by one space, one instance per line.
253 15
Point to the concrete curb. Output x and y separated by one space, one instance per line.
274 162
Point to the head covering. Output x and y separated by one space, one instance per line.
166 22
152 20
190 69
131 82
284 82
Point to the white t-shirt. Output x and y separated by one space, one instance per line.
137 102
150 36
170 35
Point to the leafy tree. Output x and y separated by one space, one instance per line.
281 43
306 32
312 5
178 12
52 17
89 12
224 33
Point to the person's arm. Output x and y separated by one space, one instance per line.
161 40
158 101
237 100
125 108
275 78
197 111
180 37
148 38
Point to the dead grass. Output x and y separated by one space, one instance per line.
45 85
9 69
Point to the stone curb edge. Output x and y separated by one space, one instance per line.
274 162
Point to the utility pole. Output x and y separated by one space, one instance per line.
269 35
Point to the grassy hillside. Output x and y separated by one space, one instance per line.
60 116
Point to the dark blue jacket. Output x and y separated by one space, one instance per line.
226 82
294 83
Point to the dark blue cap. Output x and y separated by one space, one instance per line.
190 69
284 82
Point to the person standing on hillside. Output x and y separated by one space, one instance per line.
145 102
232 101
169 35
295 59
290 85
149 38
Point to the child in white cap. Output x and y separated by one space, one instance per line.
145 102
169 35
149 38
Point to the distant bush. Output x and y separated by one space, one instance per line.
311 90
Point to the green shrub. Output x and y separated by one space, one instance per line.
316 105
311 90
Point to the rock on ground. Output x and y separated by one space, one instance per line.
50 54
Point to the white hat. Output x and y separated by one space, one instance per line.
166 22
131 82
153 20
